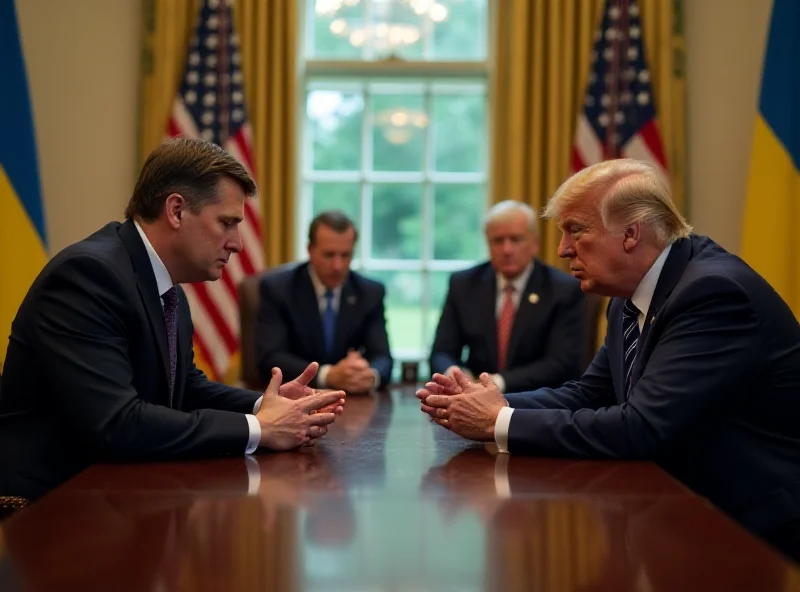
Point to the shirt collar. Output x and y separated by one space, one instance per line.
519 282
163 279
643 294
319 287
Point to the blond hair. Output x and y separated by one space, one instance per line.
504 210
630 191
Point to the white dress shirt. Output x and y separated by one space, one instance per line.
322 302
164 283
519 283
642 297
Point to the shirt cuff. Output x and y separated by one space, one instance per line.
257 406
501 429
377 376
253 475
322 376
500 382
501 484
255 434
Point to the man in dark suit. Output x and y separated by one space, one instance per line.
100 363
321 311
523 321
700 370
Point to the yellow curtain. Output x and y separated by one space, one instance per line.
268 37
539 77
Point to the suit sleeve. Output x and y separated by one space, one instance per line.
83 331
272 338
449 341
706 351
564 349
202 393
376 341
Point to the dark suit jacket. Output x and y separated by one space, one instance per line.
716 395
289 325
86 373
548 338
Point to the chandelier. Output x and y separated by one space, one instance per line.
398 124
391 24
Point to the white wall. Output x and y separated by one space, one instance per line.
725 42
82 58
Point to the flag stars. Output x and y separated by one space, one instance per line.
605 100
209 100
644 76
192 77
613 12
619 117
207 134
210 79
237 77
633 52
611 34
191 97
212 22
238 97
633 10
207 118
236 58
608 54
211 60
588 100
212 41
603 119
238 115
643 98
194 59
635 32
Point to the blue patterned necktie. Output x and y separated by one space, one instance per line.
630 339
329 321
170 298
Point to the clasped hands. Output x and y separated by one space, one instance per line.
294 414
466 408
351 374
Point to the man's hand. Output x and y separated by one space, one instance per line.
351 374
298 388
451 369
467 408
287 424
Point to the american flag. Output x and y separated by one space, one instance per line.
618 118
210 105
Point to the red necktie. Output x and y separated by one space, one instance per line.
504 324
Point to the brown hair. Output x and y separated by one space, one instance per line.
333 219
187 166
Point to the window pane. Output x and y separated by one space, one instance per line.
398 134
458 211
437 290
409 29
334 124
462 35
337 196
403 308
329 34
397 221
459 132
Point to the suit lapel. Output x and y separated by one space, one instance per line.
528 312
308 309
671 273
486 299
148 291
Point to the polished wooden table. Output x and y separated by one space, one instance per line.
386 501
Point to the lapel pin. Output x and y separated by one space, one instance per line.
533 298
351 300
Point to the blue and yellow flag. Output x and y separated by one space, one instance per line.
771 240
23 244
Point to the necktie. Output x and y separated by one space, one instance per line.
504 323
170 298
329 321
630 339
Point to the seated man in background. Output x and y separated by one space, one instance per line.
523 321
700 371
100 365
321 311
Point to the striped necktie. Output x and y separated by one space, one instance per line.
630 339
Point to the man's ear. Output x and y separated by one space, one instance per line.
632 234
174 206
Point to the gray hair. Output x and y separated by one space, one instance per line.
630 191
506 209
